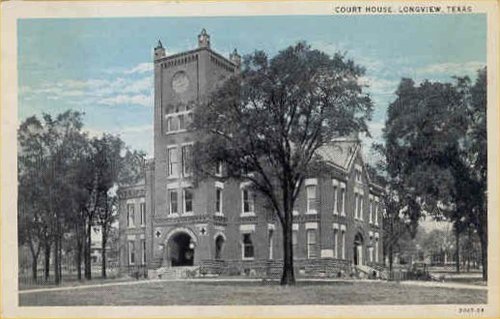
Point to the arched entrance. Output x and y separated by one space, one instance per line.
219 246
181 249
358 249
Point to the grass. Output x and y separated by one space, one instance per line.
255 293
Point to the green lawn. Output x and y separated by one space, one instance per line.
254 293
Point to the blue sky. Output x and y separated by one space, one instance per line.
103 67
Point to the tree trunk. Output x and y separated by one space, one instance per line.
59 267
34 267
288 276
34 259
104 242
79 259
88 242
56 262
457 249
483 238
47 258
391 257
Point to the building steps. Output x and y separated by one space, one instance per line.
174 272
368 271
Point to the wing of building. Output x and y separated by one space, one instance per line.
219 227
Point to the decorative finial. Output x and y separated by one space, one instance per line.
203 39
235 57
159 50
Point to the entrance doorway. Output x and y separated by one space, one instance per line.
358 249
219 246
181 250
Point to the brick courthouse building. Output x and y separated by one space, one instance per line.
166 221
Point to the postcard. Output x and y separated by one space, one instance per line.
249 159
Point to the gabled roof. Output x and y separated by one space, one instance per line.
340 152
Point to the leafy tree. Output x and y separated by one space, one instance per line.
266 124
435 148
64 182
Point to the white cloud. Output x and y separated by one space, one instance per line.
379 85
451 68
140 68
127 89
140 85
138 99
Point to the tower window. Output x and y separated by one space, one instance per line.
188 200
173 202
172 162
186 160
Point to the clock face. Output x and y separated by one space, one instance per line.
180 82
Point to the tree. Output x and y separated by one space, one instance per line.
435 147
266 124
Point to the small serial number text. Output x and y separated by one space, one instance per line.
470 311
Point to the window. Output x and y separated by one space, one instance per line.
343 244
335 243
173 123
342 198
187 160
218 168
358 173
311 199
335 200
173 202
343 201
360 207
311 243
188 200
376 250
143 244
356 205
143 213
370 211
376 213
169 124
294 241
131 253
270 243
248 204
182 122
130 215
218 200
172 162
370 249
248 251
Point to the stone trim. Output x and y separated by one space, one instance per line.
313 225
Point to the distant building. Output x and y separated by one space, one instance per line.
167 221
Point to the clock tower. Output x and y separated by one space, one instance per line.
180 80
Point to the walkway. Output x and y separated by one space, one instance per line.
138 282
443 285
